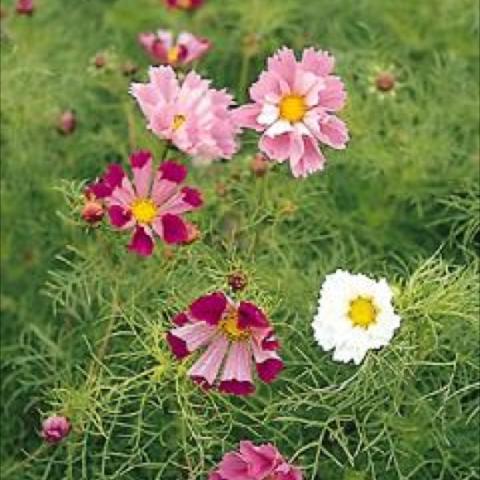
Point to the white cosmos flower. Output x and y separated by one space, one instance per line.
355 314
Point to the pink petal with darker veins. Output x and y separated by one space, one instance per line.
188 338
206 368
237 374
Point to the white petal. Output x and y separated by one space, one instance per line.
268 115
279 127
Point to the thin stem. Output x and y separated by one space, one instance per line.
242 86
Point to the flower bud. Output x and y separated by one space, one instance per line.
99 61
237 281
25 7
193 233
67 123
55 429
385 81
259 165
129 68
92 211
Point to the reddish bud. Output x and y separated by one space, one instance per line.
129 68
25 7
385 81
221 189
55 429
92 211
193 233
67 123
99 60
237 281
259 165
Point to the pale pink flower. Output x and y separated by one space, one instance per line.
55 429
164 50
294 105
191 115
25 7
231 334
255 463
153 205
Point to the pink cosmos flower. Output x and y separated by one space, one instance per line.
25 7
294 105
184 4
193 116
162 48
148 206
55 429
255 463
231 334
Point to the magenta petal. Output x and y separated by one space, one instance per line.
119 216
192 196
178 346
269 369
114 175
180 319
175 172
174 229
249 315
209 308
141 243
235 387
140 158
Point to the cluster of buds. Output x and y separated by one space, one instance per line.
237 281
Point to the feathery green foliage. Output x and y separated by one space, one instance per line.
83 322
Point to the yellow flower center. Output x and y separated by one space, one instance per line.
173 54
229 325
293 108
178 121
144 210
363 312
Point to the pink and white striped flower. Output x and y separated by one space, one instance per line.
152 206
255 463
293 106
231 335
164 50
194 117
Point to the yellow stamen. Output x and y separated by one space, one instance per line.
144 210
293 108
173 54
229 325
178 121
363 312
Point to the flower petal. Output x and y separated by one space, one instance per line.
237 374
141 162
209 308
141 242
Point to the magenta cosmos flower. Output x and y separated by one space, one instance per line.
151 205
255 463
232 335
293 106
184 4
193 116
55 429
162 48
